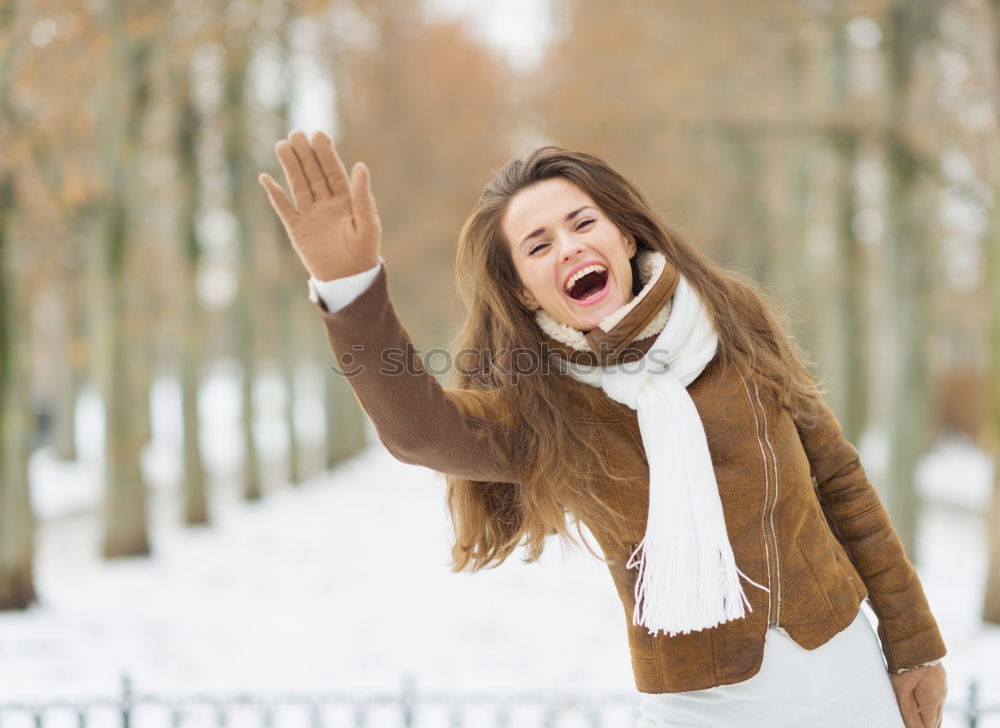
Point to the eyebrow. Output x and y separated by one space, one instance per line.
539 231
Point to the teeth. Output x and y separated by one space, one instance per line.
582 272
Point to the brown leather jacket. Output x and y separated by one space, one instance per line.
774 480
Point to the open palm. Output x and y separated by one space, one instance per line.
331 219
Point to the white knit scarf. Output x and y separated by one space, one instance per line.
687 576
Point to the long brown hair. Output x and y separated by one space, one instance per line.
559 470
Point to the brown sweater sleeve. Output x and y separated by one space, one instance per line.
451 430
908 630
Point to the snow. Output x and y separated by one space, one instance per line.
342 583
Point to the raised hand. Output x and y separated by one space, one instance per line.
332 223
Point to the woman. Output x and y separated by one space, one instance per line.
611 371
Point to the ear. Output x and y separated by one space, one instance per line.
630 245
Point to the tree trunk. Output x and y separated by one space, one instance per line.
191 348
851 363
195 491
909 290
17 588
345 420
125 519
751 207
851 359
291 287
991 598
909 257
287 345
793 268
238 168
72 356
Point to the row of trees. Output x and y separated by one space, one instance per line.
844 151
129 186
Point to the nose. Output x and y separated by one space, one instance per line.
569 248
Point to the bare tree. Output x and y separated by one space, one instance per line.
17 589
125 517
909 28
991 600
851 361
239 171
191 344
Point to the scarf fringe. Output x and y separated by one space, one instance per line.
667 605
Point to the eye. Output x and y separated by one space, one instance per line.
537 247
585 223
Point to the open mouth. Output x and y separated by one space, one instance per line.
589 285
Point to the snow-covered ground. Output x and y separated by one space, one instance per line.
343 583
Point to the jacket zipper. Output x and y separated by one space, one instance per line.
769 532
767 516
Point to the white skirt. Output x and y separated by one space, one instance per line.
841 683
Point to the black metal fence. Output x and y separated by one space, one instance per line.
404 708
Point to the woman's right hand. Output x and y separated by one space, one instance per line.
333 224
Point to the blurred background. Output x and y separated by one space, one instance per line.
190 499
